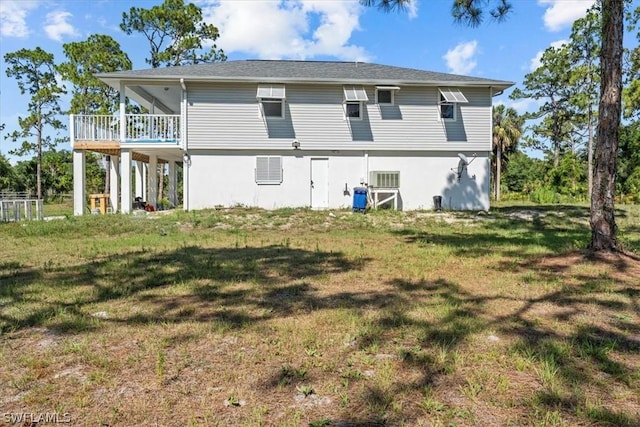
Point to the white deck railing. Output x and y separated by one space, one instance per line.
96 128
139 128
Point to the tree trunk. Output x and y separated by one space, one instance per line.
39 166
590 153
603 225
498 170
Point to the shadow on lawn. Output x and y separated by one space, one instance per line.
272 276
578 361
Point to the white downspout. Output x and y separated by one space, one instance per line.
366 167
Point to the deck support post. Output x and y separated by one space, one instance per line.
125 180
153 181
173 181
78 182
114 187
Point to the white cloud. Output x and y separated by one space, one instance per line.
412 9
57 26
535 61
298 29
13 17
460 59
525 105
562 13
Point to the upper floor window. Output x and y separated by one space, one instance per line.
385 94
354 96
449 98
352 109
271 98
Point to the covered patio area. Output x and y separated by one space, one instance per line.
135 173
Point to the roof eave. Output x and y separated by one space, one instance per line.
114 81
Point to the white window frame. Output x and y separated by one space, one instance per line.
346 110
354 95
442 104
271 94
272 101
273 174
391 89
450 97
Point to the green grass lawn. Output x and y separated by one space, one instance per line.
295 317
64 208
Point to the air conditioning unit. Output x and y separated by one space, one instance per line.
384 179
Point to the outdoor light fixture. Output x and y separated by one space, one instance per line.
295 144
186 158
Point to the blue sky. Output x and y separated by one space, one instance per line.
423 37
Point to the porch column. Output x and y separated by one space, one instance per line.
173 195
153 181
114 182
139 179
78 182
125 180
145 181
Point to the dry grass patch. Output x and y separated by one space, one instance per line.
246 317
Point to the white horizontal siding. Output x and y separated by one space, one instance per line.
228 116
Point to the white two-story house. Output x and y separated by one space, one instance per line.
277 134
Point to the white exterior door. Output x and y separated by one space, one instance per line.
319 183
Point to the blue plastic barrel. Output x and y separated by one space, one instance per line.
359 199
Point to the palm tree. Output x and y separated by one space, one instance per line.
507 130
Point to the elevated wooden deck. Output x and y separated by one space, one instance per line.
144 134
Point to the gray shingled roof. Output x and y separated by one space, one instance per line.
302 71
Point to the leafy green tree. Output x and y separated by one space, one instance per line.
631 92
629 161
551 83
94 173
569 177
176 33
58 172
584 48
34 71
7 175
98 54
469 12
507 130
523 174
25 176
